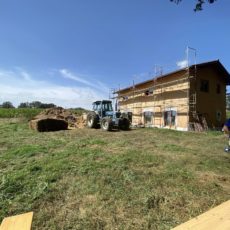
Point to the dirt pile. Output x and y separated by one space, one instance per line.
81 121
56 119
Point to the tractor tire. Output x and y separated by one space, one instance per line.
106 124
124 124
92 120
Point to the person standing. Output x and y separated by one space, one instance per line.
226 130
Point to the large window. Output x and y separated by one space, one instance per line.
148 116
170 118
204 86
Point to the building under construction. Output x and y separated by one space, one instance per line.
192 98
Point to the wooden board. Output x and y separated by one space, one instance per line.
19 222
217 218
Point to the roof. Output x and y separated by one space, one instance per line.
216 63
103 101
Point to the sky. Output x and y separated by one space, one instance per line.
74 52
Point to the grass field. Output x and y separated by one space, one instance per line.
27 113
90 179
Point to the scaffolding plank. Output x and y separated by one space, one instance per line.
217 218
18 222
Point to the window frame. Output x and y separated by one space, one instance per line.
170 117
204 85
148 117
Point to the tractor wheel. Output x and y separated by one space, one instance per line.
106 124
92 120
124 124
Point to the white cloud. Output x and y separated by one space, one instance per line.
19 86
67 74
80 78
182 64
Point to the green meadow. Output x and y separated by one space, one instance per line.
89 179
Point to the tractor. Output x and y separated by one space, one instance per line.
103 116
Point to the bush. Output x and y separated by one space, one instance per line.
7 105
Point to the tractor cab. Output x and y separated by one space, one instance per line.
103 108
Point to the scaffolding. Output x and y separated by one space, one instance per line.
159 97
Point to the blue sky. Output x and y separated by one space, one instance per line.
72 52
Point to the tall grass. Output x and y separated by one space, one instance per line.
27 113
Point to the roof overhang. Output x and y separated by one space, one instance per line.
216 64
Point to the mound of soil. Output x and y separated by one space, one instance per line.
56 119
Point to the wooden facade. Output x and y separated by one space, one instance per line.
192 98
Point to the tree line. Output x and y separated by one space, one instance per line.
33 104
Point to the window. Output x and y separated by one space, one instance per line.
149 92
148 118
107 107
204 86
170 118
97 106
218 89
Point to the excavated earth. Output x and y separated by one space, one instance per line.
56 119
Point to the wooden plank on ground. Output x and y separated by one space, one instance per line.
217 218
19 222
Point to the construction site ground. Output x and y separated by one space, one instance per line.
89 179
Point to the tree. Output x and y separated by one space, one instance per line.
35 104
7 105
24 105
46 106
199 4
